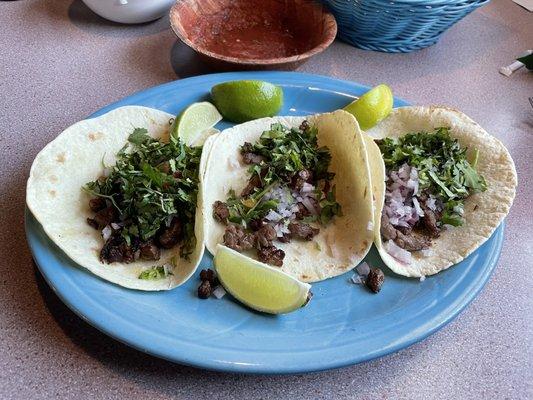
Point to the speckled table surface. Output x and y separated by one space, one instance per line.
59 63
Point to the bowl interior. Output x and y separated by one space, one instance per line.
253 29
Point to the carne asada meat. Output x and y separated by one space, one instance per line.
271 255
302 230
97 204
375 279
286 238
410 241
220 211
116 250
254 182
252 158
256 224
105 216
265 235
149 251
429 220
302 211
237 239
300 178
170 236
304 126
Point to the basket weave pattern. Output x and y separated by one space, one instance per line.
397 26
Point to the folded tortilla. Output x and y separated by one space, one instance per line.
341 244
483 212
55 196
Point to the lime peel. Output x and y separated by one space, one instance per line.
257 285
372 107
245 100
194 124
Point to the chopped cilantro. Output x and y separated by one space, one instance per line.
443 169
154 273
285 152
151 182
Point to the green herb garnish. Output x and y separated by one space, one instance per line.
285 152
154 273
151 182
442 165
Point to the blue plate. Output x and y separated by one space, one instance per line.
344 323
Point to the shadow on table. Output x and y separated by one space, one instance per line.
186 62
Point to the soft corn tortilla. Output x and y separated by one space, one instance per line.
340 245
483 211
55 197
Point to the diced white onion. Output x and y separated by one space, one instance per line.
106 233
417 207
115 226
309 205
273 216
307 187
219 292
422 278
363 269
356 279
397 252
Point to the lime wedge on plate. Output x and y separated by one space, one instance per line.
259 286
241 101
372 107
195 123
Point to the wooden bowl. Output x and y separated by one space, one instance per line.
253 34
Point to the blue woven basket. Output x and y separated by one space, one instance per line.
399 25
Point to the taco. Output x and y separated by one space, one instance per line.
122 198
442 185
293 192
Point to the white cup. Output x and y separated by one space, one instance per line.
130 11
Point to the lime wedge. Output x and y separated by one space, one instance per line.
372 107
193 122
259 286
241 101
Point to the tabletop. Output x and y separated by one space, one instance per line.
59 62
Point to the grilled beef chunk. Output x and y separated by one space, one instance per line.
204 290
254 182
237 239
256 224
429 220
302 211
304 126
116 250
375 279
300 178
271 255
388 231
220 211
208 275
286 238
170 236
105 216
265 235
97 204
302 230
149 251
252 158
92 222
410 241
